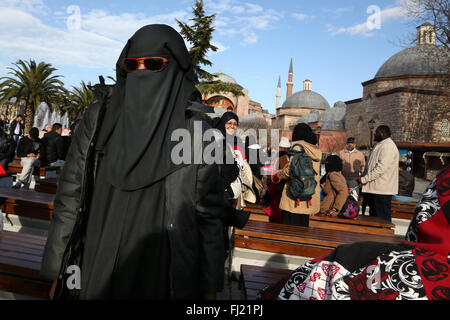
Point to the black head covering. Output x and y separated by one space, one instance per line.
145 108
227 116
304 132
333 163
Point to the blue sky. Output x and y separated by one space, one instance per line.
336 44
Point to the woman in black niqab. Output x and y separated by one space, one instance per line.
127 250
146 108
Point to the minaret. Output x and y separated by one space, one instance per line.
426 34
278 92
290 82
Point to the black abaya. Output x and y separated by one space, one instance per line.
127 252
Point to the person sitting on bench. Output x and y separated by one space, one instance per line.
31 151
405 184
334 186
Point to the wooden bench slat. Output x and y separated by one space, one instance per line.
23 237
290 233
24 286
361 224
23 256
300 241
20 267
15 167
27 203
11 247
20 263
295 249
21 246
255 278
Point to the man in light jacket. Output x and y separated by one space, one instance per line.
380 180
353 163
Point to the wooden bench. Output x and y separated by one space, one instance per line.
400 210
299 241
43 171
255 278
20 264
48 185
403 210
27 203
363 224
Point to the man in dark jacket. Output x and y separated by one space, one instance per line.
7 147
31 150
16 128
153 227
54 146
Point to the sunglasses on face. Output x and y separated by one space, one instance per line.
152 64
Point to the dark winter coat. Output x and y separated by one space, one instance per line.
12 127
54 146
27 146
7 147
194 207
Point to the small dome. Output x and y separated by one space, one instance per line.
333 125
424 59
313 116
306 99
339 104
225 78
334 114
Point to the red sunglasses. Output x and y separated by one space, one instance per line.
152 64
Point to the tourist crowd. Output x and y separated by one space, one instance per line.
138 225
47 147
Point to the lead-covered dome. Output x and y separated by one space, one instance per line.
306 99
225 78
423 59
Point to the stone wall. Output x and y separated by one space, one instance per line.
412 107
422 117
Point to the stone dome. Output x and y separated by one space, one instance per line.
225 78
306 99
423 59
333 125
313 116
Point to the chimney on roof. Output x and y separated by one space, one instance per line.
307 85
426 34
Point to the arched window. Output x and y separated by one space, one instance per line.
220 102
445 130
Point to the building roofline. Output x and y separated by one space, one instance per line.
413 90
428 76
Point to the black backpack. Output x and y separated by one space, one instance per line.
302 184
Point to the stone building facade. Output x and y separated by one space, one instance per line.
241 105
410 94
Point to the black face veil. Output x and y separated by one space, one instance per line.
145 108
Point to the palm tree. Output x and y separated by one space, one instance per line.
81 97
34 84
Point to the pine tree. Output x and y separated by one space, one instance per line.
199 36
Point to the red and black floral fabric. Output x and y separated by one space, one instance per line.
418 269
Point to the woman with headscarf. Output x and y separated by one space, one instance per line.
334 186
416 269
293 212
230 172
138 225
